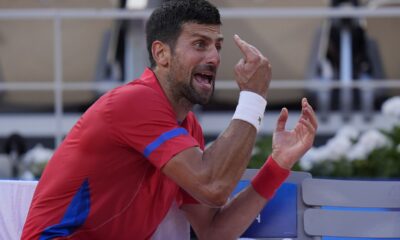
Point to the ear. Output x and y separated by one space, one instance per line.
161 53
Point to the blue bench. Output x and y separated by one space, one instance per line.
310 208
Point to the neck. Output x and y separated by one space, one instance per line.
180 104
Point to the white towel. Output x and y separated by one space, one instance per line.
15 199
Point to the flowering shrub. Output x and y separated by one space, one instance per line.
373 154
351 152
35 160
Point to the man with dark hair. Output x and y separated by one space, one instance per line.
139 149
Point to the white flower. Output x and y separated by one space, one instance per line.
368 142
391 107
350 132
338 147
335 149
37 158
357 152
38 154
375 139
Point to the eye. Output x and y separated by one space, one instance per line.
200 45
218 47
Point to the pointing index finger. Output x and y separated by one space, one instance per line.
243 46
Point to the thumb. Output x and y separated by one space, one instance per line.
281 122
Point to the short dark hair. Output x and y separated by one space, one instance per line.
165 23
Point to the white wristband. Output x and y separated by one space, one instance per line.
250 108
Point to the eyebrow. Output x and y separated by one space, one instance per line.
219 39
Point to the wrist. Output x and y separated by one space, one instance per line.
269 178
281 163
263 94
250 108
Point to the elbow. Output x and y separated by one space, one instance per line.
217 201
216 196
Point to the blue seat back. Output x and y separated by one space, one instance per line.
278 219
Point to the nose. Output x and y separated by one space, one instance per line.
213 57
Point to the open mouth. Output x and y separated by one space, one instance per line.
204 78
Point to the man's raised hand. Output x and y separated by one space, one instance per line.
253 71
289 146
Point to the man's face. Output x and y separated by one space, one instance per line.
195 61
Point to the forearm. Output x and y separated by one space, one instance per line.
226 159
234 218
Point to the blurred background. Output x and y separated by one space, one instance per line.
58 57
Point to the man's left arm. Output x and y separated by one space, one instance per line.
231 220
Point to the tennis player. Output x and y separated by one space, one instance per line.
139 148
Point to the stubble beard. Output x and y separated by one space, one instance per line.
185 88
